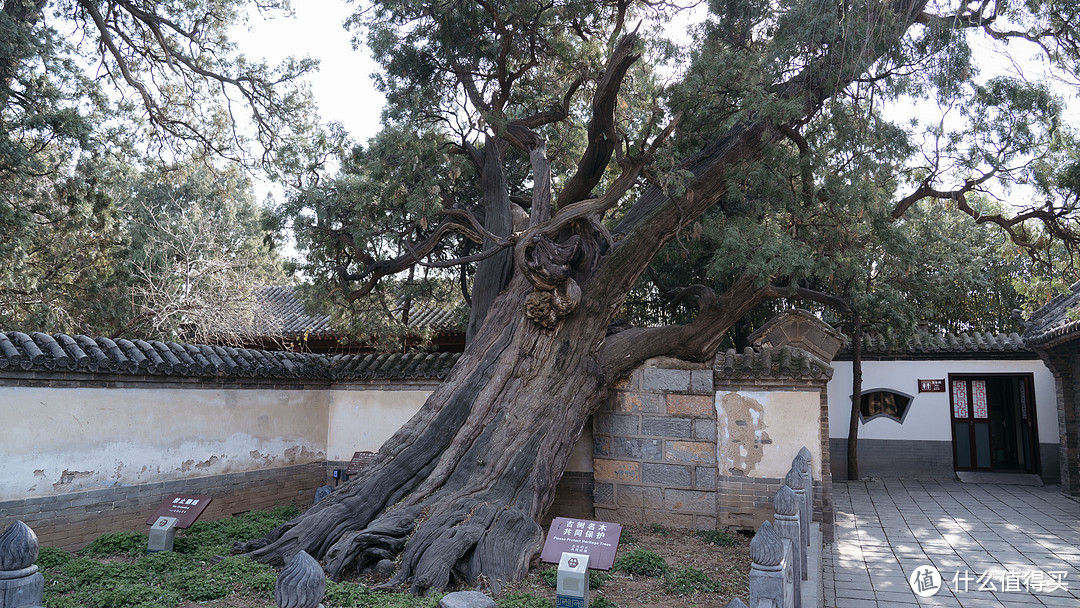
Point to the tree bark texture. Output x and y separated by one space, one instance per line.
458 490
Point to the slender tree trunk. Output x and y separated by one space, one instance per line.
856 397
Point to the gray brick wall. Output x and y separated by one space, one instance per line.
71 521
654 454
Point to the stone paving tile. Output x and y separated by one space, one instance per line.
994 534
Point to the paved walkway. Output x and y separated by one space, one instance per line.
992 545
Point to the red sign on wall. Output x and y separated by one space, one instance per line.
359 461
597 539
186 508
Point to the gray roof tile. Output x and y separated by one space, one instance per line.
42 352
768 363
925 345
1051 323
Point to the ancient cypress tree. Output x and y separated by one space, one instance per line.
533 145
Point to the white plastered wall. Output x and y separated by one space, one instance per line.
59 440
760 432
928 416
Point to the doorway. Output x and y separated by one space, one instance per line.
993 423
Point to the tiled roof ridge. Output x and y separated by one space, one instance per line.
39 351
1051 322
786 362
287 310
941 343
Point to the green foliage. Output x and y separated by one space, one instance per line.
210 538
128 542
347 595
641 562
52 557
164 579
626 538
720 538
689 581
603 602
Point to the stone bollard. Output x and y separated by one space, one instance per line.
301 583
794 480
466 599
771 576
808 479
20 582
735 603
786 523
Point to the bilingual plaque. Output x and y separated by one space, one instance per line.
186 508
597 539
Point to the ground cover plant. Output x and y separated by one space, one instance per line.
658 567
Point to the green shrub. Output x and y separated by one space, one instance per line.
626 538
126 595
689 581
720 538
209 538
247 572
524 600
114 543
603 602
200 586
642 562
51 557
597 579
350 595
659 529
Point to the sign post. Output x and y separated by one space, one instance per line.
572 584
162 534
577 545
176 511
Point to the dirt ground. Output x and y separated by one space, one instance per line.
680 549
730 565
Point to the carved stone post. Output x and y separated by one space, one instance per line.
20 582
787 526
301 583
771 576
808 479
794 480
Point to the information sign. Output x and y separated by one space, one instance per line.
359 461
597 539
186 508
932 386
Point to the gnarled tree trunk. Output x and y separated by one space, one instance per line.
458 490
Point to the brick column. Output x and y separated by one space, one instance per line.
1064 362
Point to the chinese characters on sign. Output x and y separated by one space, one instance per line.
926 581
1006 581
186 508
932 386
597 539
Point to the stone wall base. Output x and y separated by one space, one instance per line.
71 521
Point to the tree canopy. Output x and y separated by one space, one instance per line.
615 116
96 98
